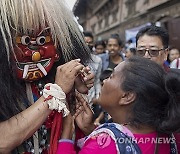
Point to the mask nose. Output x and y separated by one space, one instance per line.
36 56
33 47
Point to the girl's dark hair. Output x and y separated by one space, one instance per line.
133 50
11 92
88 34
172 85
157 102
101 42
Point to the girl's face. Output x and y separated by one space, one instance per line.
111 92
173 54
99 49
128 53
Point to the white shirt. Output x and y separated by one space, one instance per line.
96 66
175 64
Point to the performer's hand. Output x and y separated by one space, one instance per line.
83 85
83 115
67 73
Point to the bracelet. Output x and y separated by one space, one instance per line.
55 98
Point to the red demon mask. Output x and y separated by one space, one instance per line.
35 56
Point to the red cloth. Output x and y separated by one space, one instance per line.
55 132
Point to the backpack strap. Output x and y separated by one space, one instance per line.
173 146
124 143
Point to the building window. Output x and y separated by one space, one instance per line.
131 6
93 28
106 20
100 24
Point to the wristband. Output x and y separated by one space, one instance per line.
55 98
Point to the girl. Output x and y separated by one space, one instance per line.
144 103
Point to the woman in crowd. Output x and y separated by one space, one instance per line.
100 50
100 47
144 103
172 55
130 52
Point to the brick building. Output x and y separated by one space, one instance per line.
104 17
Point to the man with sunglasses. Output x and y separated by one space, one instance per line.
152 43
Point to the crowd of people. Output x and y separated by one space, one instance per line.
141 94
112 52
88 96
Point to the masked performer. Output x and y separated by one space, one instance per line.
37 37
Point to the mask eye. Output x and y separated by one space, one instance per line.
25 40
41 40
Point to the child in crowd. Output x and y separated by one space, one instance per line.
130 52
172 55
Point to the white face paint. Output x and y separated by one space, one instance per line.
31 67
26 68
42 69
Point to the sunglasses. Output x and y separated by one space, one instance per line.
151 52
